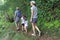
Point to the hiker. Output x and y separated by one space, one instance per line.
24 23
34 17
17 17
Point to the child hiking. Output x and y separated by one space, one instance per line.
24 23
17 17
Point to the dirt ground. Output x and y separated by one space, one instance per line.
43 37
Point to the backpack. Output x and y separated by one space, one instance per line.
18 13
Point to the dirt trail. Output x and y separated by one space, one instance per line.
43 37
5 36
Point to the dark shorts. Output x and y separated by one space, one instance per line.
23 24
34 20
17 19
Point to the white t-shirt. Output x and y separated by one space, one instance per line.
22 20
26 23
34 8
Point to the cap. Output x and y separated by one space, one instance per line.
33 2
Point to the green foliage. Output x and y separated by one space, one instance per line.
48 14
48 11
54 24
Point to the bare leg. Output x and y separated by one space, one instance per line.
33 27
25 29
22 28
37 29
17 26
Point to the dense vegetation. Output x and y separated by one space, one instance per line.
48 15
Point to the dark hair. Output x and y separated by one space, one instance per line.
34 4
25 17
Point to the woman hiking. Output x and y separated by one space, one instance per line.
34 17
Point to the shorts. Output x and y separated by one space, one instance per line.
23 24
17 19
34 20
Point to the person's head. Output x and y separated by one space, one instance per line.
32 3
25 17
17 8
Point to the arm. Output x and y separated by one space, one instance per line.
32 13
15 15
